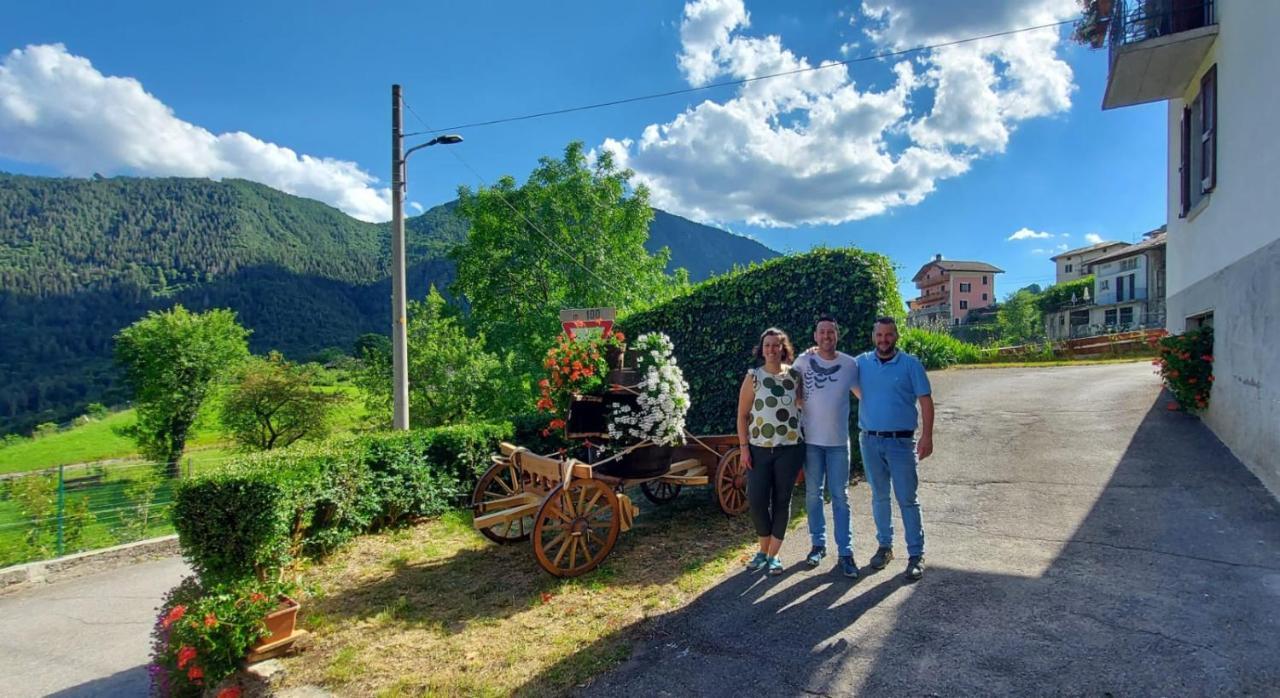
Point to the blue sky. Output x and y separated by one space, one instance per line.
948 151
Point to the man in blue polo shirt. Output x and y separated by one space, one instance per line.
891 383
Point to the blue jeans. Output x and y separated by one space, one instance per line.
891 462
828 465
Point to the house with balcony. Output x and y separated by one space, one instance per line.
1074 264
1213 63
949 289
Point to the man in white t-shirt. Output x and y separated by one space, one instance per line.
829 377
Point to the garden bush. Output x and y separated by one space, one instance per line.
937 349
715 326
1185 363
258 512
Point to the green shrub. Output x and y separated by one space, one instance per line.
258 512
715 327
937 349
1186 365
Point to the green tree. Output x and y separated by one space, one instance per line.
1019 319
275 403
572 236
452 378
172 360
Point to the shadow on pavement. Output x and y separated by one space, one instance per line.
130 682
1169 585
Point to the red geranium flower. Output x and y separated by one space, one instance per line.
210 620
186 653
1207 357
195 673
175 615
231 692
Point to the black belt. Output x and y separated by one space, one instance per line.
892 434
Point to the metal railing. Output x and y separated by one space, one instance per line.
1134 21
69 509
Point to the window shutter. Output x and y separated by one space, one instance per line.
1209 128
1184 162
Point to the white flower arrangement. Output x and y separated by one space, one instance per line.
662 401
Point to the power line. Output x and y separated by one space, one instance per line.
518 212
742 81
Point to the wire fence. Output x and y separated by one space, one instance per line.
70 509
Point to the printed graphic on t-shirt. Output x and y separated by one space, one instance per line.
818 376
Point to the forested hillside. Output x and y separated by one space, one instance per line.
81 259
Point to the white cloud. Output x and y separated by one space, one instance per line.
1050 251
818 148
1028 234
57 109
1093 238
417 206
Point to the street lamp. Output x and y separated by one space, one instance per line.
399 311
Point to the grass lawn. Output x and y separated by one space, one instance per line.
437 609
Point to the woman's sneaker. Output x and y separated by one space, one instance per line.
757 563
775 566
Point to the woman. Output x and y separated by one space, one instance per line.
772 450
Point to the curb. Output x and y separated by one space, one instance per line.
79 564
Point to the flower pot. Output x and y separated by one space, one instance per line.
588 416
643 462
280 623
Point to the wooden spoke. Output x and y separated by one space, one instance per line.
660 492
731 484
502 480
576 527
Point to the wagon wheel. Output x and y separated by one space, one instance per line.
576 527
502 479
660 492
731 484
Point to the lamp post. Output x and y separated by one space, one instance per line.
399 311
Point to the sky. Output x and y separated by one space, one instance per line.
994 150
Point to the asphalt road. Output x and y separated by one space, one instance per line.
1080 540
88 636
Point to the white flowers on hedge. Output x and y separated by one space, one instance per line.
663 398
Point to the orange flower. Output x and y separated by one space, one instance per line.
195 673
619 336
230 692
1192 381
210 620
577 365
175 615
543 383
575 376
186 653
257 596
556 423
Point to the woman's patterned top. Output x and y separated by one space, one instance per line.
775 418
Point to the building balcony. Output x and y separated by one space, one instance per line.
1156 47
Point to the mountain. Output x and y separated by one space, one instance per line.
82 258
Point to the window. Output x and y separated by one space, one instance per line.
1068 269
1126 315
984 296
1201 320
1127 264
1105 284
964 305
1198 164
984 279
966 287
1110 317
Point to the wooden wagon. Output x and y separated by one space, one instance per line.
573 511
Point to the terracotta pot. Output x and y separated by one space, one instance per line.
280 622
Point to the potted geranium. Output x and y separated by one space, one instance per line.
203 633
577 380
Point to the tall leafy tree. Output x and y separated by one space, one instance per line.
1019 319
275 403
172 359
571 236
452 378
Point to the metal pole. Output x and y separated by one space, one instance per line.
399 333
62 498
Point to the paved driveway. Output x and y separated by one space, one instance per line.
84 637
1080 540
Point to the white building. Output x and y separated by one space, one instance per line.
1074 264
1215 63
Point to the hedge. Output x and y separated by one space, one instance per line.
716 326
937 349
257 512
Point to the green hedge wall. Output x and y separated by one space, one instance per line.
258 512
716 326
